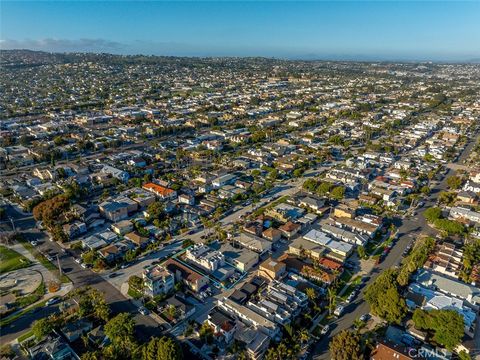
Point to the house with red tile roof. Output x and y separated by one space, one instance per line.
162 192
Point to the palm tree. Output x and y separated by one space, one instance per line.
303 336
332 299
358 324
310 292
171 311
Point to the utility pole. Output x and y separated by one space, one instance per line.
13 223
59 267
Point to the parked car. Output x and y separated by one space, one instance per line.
78 260
144 311
33 243
325 329
339 310
52 301
351 296
364 317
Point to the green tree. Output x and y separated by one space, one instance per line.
361 252
384 298
432 214
462 355
120 329
454 182
425 190
346 345
206 332
156 210
42 328
338 192
447 325
446 198
135 282
415 260
89 257
450 227
162 348
58 140
92 302
297 173
311 294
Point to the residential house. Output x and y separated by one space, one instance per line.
183 309
272 234
390 352
122 227
253 242
54 348
223 325
289 229
75 229
182 273
158 281
162 192
74 330
449 286
271 269
137 239
116 173
249 317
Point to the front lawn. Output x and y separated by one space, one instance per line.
11 260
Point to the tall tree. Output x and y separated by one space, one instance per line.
384 298
120 329
42 328
447 325
163 348
346 345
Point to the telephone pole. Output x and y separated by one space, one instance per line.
59 267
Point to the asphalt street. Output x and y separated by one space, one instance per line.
408 231
146 326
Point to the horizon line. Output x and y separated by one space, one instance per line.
293 58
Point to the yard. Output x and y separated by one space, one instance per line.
11 260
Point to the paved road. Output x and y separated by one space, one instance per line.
409 230
146 326
121 276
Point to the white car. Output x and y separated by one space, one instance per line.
339 310
143 311
364 317
52 301
78 260
83 265
325 329
33 243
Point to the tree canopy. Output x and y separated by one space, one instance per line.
346 345
415 260
384 298
447 325
163 348
42 328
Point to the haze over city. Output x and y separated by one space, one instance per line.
239 180
358 30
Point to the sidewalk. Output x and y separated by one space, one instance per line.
64 290
46 274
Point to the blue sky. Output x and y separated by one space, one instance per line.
431 30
